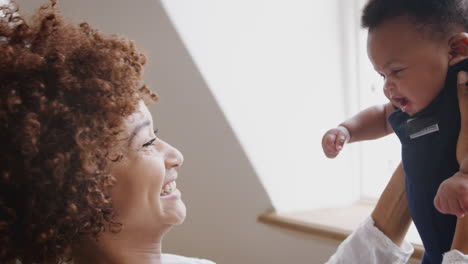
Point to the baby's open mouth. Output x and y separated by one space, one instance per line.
168 188
402 102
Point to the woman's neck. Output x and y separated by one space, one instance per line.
120 248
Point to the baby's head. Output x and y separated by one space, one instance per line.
411 43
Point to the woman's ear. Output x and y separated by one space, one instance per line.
458 44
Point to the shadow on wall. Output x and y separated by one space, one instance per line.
219 186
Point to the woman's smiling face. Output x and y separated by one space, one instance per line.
145 195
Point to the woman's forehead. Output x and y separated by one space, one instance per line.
139 119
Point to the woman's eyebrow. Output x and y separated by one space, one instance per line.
138 129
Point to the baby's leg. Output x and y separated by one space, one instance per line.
391 214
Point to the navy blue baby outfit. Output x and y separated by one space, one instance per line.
429 140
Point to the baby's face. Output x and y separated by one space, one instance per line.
413 66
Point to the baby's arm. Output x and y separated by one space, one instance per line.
368 124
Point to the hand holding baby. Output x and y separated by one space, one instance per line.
452 195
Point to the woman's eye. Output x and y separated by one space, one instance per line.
149 143
381 75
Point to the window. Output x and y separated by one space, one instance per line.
284 72
379 158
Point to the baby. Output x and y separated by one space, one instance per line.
418 47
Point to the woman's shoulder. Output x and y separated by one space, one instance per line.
175 259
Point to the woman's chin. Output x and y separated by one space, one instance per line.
174 212
179 217
182 213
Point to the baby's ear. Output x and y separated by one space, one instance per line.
458 48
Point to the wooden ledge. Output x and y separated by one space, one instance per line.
334 223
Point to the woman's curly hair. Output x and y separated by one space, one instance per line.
64 93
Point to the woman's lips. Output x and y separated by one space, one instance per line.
174 195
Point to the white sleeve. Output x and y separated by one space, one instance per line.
455 257
176 259
367 244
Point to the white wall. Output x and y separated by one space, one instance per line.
219 185
275 68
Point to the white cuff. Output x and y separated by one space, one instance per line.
385 245
367 244
454 257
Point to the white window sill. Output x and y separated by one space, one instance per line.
335 223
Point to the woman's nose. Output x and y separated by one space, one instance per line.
172 158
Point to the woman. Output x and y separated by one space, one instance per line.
83 176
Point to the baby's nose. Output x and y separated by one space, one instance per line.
390 89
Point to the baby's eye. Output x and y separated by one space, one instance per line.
397 71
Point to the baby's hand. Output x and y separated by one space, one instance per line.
333 141
452 196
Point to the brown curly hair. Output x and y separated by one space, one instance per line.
64 93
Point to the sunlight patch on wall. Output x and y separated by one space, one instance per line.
274 68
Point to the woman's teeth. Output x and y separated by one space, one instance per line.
168 188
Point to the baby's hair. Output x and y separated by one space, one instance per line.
436 17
